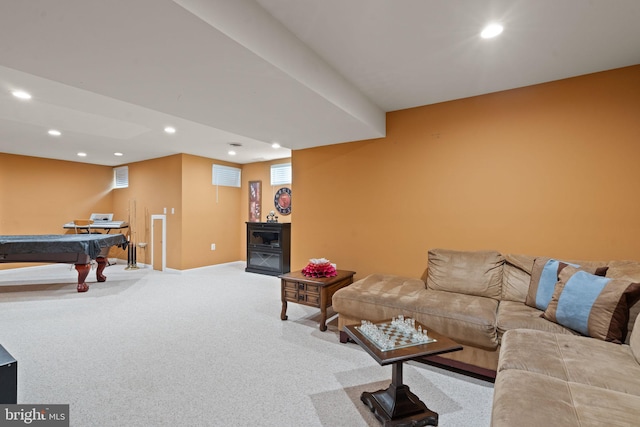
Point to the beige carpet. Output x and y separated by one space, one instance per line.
204 347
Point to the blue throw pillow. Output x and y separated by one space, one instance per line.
592 305
544 277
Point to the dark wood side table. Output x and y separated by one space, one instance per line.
397 405
312 291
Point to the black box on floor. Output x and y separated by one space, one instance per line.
8 377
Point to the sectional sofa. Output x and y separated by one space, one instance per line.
558 335
565 380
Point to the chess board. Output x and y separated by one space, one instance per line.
400 338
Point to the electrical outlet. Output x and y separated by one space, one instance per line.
213 246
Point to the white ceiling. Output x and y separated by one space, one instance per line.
110 75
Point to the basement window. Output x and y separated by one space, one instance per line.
226 176
121 177
281 174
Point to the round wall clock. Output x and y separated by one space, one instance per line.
282 201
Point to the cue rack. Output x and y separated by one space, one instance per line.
131 238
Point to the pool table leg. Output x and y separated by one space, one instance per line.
102 263
83 272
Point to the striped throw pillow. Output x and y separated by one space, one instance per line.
592 305
544 276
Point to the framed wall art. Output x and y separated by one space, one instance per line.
255 201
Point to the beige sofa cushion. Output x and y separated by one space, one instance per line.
465 272
516 277
378 297
525 399
634 340
516 315
571 358
627 270
466 319
557 379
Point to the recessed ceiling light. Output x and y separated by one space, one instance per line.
231 153
21 94
118 154
491 31
170 129
275 145
54 132
81 154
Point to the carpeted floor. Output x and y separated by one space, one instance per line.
204 347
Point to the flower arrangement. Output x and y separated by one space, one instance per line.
319 267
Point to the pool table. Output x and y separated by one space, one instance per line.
78 249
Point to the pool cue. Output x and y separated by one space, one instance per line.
131 262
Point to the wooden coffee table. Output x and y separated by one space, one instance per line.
312 291
397 405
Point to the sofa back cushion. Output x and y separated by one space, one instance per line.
634 340
466 272
516 277
627 270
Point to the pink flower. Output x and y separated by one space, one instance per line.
324 269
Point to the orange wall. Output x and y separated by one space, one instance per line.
210 214
202 213
550 169
153 185
261 171
38 196
197 212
